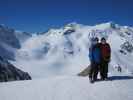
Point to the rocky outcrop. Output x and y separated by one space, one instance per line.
10 41
84 72
8 37
127 46
8 72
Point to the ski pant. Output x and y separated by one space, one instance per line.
93 72
104 69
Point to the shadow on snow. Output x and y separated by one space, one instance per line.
120 78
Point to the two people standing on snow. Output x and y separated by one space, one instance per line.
99 54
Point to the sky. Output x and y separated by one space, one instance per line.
41 15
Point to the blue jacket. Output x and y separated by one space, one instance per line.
95 53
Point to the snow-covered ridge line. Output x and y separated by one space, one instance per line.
65 50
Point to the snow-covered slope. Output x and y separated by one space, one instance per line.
65 50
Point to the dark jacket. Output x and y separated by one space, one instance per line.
105 51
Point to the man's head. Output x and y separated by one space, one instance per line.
103 40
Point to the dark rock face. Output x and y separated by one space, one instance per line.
85 72
8 42
127 46
8 37
69 31
7 54
10 73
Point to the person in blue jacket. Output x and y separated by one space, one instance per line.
95 59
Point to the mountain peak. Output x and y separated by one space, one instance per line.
72 25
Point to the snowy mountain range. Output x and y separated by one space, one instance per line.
65 50
54 58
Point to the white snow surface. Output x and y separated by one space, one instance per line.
54 59
67 88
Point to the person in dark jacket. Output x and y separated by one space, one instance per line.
95 59
106 55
